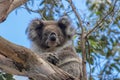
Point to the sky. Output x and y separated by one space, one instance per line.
13 28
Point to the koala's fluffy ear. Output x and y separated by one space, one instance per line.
35 26
63 22
38 24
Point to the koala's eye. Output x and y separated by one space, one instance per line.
69 36
45 34
38 27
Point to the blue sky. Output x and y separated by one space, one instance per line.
13 28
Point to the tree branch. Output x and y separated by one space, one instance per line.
19 60
76 13
83 40
6 6
8 66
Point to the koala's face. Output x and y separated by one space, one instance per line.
50 34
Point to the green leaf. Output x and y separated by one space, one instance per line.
90 60
98 12
6 76
116 67
42 2
109 53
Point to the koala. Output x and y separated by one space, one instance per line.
53 40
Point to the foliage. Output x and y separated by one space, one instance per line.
48 9
6 76
105 42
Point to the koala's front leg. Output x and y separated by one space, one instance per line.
50 57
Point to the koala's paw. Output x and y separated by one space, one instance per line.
53 59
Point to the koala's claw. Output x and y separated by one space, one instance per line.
53 59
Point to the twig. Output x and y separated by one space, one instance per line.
101 20
76 13
35 11
89 58
27 8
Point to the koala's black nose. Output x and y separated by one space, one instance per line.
53 37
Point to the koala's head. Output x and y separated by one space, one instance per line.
50 34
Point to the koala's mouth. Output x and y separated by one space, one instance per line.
52 43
